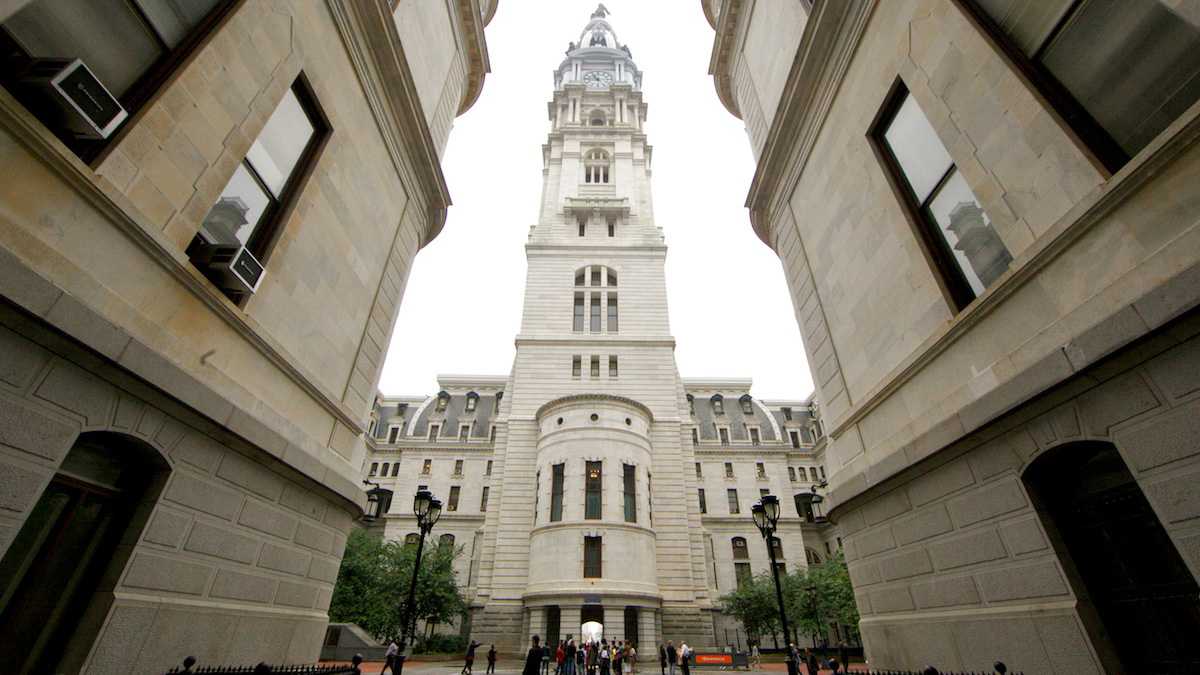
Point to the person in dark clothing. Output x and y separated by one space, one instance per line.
811 659
662 659
491 660
844 655
533 659
470 660
672 657
569 662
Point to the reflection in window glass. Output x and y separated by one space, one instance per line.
918 151
278 147
978 250
238 211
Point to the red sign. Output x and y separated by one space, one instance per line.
714 659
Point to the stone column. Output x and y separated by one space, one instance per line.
614 622
537 624
571 620
649 625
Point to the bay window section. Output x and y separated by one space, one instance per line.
950 223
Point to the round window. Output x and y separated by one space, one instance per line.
560 421
628 422
595 417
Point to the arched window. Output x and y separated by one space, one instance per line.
811 556
589 309
446 540
1124 562
472 401
597 118
412 539
718 404
740 550
73 533
596 165
443 398
747 404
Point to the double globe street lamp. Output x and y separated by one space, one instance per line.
766 519
427 509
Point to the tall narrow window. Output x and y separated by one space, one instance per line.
395 469
724 434
383 470
747 404
443 399
578 322
787 414
593 486
596 275
612 227
458 467
612 366
792 473
452 503
691 405
374 469
760 469
576 366
630 492
699 470
434 431
703 501
464 431
951 224
718 404
556 492
1118 72
582 222
612 313
591 557
472 402
492 436
537 494
729 469
755 439
732 495
393 434
595 313
695 436
427 467
595 369
741 561
795 438
483 499
488 467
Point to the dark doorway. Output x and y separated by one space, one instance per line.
1105 531
632 630
52 599
553 626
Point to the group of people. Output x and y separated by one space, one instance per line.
813 663
594 657
669 658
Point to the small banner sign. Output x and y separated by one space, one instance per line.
713 659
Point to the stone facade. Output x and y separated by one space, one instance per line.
935 412
594 397
254 411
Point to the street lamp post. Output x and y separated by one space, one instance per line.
427 510
766 518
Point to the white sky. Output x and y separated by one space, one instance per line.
729 306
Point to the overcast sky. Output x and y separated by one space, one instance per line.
729 306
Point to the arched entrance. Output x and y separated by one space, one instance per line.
52 595
1125 568
592 618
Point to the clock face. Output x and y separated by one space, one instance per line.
598 79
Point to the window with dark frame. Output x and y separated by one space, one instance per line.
1118 73
595 313
458 467
576 366
556 492
452 503
595 368
146 42
592 548
955 233
703 501
734 507
393 434
395 469
613 324
483 499
612 366
374 469
593 491
729 469
629 485
577 317
265 187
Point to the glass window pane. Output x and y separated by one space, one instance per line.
56 29
278 147
1026 22
174 19
238 211
978 250
1135 66
917 148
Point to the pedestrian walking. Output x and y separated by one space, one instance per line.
811 662
569 656
844 655
662 659
629 658
470 659
616 657
581 658
685 653
533 658
755 656
491 660
672 657
389 658
559 655
605 658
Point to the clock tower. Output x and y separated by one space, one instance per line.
597 527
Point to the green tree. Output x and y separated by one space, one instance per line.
819 596
754 604
372 584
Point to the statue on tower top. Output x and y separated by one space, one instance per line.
601 12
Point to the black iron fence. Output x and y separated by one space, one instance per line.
997 669
189 667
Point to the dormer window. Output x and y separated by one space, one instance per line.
595 167
747 404
787 414
718 404
443 399
472 401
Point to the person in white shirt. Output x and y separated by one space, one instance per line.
393 651
684 653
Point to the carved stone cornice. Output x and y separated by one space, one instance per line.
706 5
830 38
475 50
597 398
723 45
369 34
